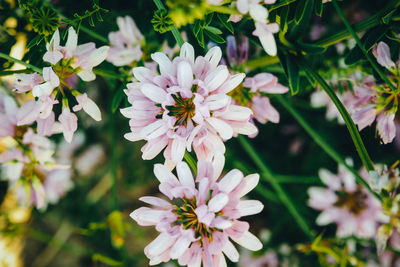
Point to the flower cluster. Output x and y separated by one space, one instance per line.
186 105
354 209
125 44
264 30
202 217
54 83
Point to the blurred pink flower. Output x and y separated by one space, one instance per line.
185 106
125 43
69 123
8 118
205 215
354 209
382 53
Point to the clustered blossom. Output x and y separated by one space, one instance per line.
125 44
203 215
66 62
354 209
264 30
252 93
186 105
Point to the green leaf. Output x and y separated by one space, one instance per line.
214 37
369 39
284 16
213 29
300 11
208 19
311 48
34 41
99 17
117 99
196 28
224 20
91 22
293 75
386 19
318 7
200 37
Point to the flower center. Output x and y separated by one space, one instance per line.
185 210
241 95
183 110
354 202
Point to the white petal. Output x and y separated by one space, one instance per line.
133 137
178 149
160 244
43 89
163 173
249 207
324 218
258 12
92 109
165 64
146 216
153 92
141 73
72 41
98 55
251 182
185 74
180 246
231 252
223 128
237 113
233 82
86 75
230 181
249 129
268 43
214 56
217 101
222 261
155 201
187 51
184 174
154 130
216 78
249 241
218 202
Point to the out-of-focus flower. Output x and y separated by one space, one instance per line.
184 12
67 62
202 218
29 167
264 30
382 54
185 106
268 259
8 118
354 209
125 43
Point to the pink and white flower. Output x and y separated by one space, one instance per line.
354 209
185 106
199 226
261 84
69 123
8 118
125 43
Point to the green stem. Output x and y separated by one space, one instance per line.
361 26
355 135
174 30
268 176
224 10
114 165
322 143
109 74
94 34
191 161
32 67
11 72
290 179
361 46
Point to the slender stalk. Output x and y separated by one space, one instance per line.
109 74
114 165
355 135
267 175
174 30
323 144
93 34
290 179
32 67
361 46
11 72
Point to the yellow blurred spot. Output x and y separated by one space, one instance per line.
19 215
17 51
11 2
11 22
